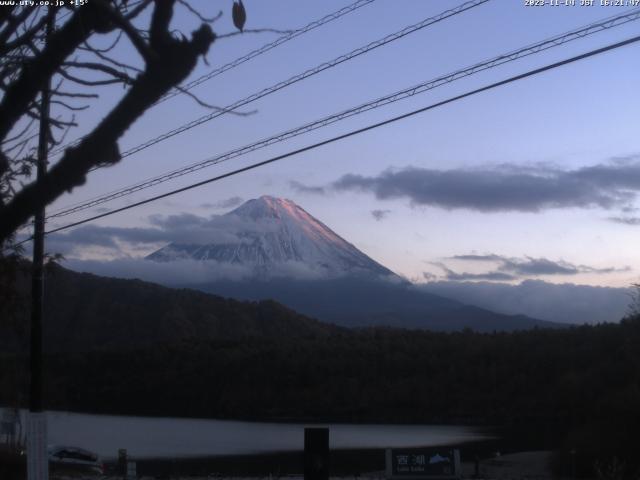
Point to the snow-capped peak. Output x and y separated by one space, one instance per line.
275 236
266 207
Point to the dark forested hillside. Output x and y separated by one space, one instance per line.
361 302
186 353
570 377
582 383
85 311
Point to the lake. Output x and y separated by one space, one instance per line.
149 437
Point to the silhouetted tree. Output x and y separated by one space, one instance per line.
633 311
69 60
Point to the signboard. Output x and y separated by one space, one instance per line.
10 415
131 470
429 463
316 454
37 458
7 428
122 461
8 422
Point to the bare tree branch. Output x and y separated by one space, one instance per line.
172 61
124 24
138 9
101 68
18 135
75 94
87 46
204 104
90 83
112 61
24 38
201 17
74 108
61 44
13 23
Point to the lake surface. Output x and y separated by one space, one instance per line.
145 437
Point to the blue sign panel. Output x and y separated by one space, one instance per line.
423 463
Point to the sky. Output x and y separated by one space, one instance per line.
537 179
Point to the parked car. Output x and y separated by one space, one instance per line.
74 461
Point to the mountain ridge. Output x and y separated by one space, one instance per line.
88 312
272 235
356 302
295 259
555 302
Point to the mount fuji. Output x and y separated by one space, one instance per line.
289 256
271 236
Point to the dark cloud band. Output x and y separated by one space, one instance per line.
508 269
506 187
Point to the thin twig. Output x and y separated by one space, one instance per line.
101 68
89 83
145 51
70 107
255 30
198 14
214 107
102 50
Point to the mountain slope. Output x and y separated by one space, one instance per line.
293 258
361 302
564 303
272 235
85 311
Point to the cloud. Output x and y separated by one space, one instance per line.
108 240
543 266
180 272
508 269
567 303
478 258
506 187
183 228
494 276
538 266
224 204
633 221
186 271
380 214
302 188
526 265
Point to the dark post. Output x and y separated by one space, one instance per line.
37 274
122 462
38 463
316 454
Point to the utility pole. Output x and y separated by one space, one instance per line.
37 458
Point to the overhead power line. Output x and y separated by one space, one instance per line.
557 40
254 53
304 75
309 73
352 133
265 48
